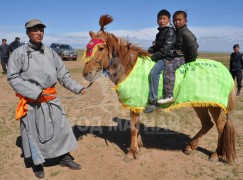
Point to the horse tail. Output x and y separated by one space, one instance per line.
227 140
104 20
231 101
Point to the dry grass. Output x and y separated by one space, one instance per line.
102 129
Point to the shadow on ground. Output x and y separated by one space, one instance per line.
152 137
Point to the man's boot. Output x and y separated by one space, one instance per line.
238 92
67 160
39 171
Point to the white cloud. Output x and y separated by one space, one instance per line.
218 38
209 38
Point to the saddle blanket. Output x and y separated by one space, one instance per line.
201 83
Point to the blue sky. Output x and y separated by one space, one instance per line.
217 24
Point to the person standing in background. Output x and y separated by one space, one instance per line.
4 50
15 44
236 66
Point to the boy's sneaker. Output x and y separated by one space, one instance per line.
150 108
167 98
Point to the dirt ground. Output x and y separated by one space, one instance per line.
103 134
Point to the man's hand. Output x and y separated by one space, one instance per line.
83 91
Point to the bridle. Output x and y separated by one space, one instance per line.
102 70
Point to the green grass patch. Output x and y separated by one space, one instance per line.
55 173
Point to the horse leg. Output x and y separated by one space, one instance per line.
220 123
136 140
206 123
226 142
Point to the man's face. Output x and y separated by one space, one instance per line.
4 42
163 21
179 21
36 34
236 49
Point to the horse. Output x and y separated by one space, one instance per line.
117 57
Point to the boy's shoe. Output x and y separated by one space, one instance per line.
150 108
167 98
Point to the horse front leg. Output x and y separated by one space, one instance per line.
136 141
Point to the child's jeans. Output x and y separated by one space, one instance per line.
154 79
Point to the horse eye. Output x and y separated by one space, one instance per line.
101 48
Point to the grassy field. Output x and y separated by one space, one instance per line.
222 57
96 119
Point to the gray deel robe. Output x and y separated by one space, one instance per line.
45 131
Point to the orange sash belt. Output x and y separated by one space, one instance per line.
22 107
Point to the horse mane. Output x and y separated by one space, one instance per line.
124 52
104 20
126 46
125 49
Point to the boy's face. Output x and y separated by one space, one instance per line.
179 21
163 21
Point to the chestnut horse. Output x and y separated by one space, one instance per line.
118 57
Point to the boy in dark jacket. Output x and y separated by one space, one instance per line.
15 44
161 49
185 51
236 66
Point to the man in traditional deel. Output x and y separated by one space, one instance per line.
33 71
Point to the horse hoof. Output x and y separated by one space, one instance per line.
128 158
213 159
187 151
137 156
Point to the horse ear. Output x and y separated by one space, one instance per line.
92 34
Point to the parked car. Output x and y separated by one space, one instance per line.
23 42
65 51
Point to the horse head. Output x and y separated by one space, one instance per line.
98 53
109 54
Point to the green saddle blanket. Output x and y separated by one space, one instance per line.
202 83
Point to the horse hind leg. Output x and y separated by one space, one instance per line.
136 140
220 123
226 144
206 123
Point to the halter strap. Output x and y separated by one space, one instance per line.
90 51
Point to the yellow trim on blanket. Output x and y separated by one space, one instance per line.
133 109
187 104
196 104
